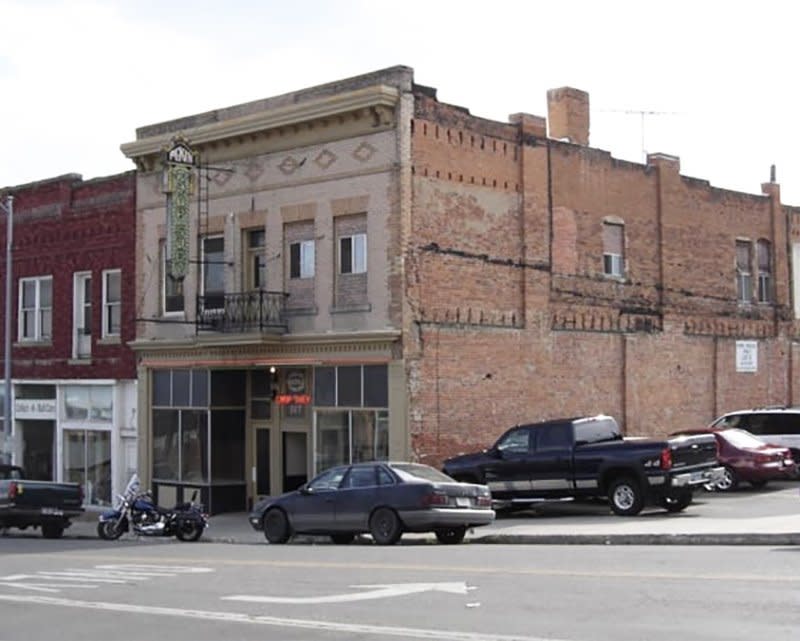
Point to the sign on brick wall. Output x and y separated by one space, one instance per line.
746 356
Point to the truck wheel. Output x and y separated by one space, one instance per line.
677 502
625 496
52 530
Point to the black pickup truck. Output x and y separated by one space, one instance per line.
43 504
588 457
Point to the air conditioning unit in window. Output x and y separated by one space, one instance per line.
612 264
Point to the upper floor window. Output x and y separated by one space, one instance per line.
614 249
213 273
255 266
744 275
301 259
171 287
764 256
353 254
112 302
36 308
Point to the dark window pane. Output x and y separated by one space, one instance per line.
376 387
165 444
180 387
349 386
227 445
261 410
228 388
325 386
162 387
347 255
200 388
194 445
294 260
260 383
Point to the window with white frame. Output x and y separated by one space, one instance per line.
614 249
255 263
764 258
744 274
35 308
353 254
112 302
301 259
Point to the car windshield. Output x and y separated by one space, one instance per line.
741 438
425 472
328 480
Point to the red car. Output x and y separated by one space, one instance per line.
748 458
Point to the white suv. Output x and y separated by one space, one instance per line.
774 425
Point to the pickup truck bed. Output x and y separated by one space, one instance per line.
44 504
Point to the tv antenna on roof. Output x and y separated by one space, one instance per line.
641 113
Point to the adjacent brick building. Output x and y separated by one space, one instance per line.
365 271
73 374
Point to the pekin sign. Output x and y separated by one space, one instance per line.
34 409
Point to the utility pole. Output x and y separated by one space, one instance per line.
5 443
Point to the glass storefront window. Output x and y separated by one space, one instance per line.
87 460
88 403
165 444
333 439
194 445
351 437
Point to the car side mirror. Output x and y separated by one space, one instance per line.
494 452
305 489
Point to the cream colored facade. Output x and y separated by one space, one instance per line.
311 158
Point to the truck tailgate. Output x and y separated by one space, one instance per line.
37 494
690 451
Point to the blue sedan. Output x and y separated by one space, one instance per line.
383 499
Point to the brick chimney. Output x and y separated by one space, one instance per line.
568 114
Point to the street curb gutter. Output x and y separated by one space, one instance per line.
641 539
573 539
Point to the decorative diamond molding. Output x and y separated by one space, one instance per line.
221 178
253 170
325 159
289 165
364 152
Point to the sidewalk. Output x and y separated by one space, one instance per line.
713 521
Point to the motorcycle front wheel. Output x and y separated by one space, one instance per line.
189 531
110 530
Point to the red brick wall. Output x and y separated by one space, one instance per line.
514 320
62 226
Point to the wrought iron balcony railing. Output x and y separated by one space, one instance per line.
258 310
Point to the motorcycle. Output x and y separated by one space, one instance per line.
135 510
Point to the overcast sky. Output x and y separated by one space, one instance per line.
78 77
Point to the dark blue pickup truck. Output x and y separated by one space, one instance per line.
44 504
587 457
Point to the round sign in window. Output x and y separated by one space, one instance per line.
296 382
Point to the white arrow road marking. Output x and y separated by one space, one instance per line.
371 631
81 578
381 592
46 587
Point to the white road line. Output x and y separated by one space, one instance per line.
173 569
86 576
375 631
48 587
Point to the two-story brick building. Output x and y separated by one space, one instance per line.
73 376
357 270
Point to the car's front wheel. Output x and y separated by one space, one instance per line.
276 526
385 526
450 535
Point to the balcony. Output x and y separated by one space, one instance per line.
256 311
